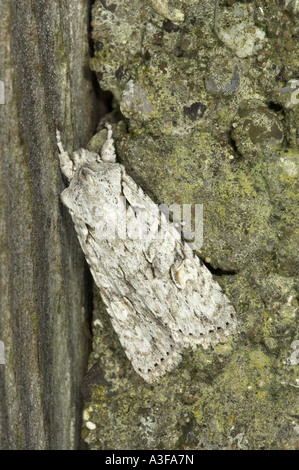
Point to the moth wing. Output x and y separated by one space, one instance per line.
202 313
160 296
147 342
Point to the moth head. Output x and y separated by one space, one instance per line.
81 157
95 182
85 158
94 187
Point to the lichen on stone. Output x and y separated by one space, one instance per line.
207 118
235 27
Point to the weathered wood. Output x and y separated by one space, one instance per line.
44 300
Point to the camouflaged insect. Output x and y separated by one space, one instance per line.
160 297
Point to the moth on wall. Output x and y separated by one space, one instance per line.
160 297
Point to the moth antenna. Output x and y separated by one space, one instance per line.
66 164
108 150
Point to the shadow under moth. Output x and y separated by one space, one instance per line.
160 297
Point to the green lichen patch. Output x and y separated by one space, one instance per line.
209 116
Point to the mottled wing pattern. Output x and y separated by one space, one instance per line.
159 295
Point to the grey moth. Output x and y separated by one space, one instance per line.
160 297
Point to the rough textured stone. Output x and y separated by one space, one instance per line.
236 28
223 77
256 129
195 146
